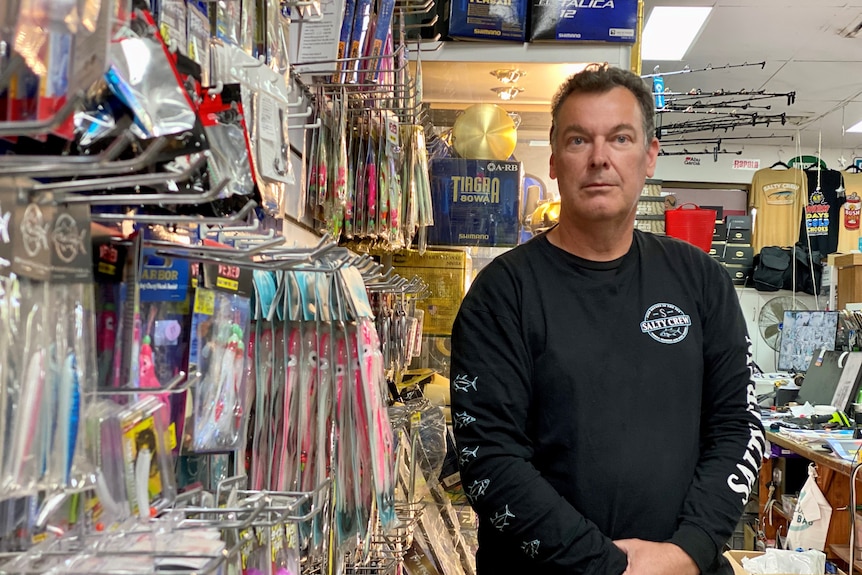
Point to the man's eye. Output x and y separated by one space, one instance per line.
576 141
623 139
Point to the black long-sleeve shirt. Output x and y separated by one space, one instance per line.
601 401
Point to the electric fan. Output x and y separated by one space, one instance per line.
770 320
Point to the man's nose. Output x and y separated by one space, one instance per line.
598 155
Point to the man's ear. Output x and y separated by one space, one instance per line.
652 156
552 171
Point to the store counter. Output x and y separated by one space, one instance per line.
833 480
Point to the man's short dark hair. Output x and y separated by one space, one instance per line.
601 78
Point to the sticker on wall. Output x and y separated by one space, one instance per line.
691 161
746 164
805 162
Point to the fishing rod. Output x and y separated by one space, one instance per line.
708 68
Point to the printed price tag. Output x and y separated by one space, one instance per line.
205 302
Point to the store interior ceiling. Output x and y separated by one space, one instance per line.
810 47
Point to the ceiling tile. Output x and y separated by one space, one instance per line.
755 33
818 80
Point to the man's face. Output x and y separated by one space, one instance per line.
599 158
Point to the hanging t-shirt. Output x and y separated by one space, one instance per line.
849 230
823 211
778 197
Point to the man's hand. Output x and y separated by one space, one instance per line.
650 558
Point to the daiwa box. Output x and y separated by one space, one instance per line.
445 272
584 20
488 19
476 202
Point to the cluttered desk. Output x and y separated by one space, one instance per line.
814 433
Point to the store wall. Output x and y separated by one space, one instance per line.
698 169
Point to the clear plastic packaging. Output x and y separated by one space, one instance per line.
143 77
224 124
147 457
47 388
220 337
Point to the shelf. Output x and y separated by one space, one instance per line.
514 52
843 553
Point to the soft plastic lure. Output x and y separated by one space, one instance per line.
290 410
371 186
307 398
381 442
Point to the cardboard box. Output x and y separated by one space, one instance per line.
739 236
738 274
739 254
446 274
475 202
592 21
736 557
849 279
719 232
716 251
488 19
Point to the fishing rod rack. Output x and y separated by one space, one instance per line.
679 113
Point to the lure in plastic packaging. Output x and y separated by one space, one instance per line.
144 78
224 124
220 332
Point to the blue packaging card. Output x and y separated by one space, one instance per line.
476 202
162 278
489 19
584 20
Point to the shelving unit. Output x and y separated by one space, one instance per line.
513 52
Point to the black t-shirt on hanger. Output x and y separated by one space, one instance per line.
822 213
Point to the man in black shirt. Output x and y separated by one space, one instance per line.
601 384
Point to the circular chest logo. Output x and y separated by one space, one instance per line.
666 323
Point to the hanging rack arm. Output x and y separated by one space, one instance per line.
34 127
140 199
169 220
124 181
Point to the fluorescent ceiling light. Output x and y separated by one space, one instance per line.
670 30
857 128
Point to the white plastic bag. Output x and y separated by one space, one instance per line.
780 561
811 516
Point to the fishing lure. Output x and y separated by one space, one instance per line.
371 185
290 431
28 429
219 411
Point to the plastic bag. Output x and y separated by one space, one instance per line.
145 79
809 562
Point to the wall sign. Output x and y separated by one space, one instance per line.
746 165
805 162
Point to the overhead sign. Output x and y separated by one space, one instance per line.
805 162
746 165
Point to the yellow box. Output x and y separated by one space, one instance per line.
446 273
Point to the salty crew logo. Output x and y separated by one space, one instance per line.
666 323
